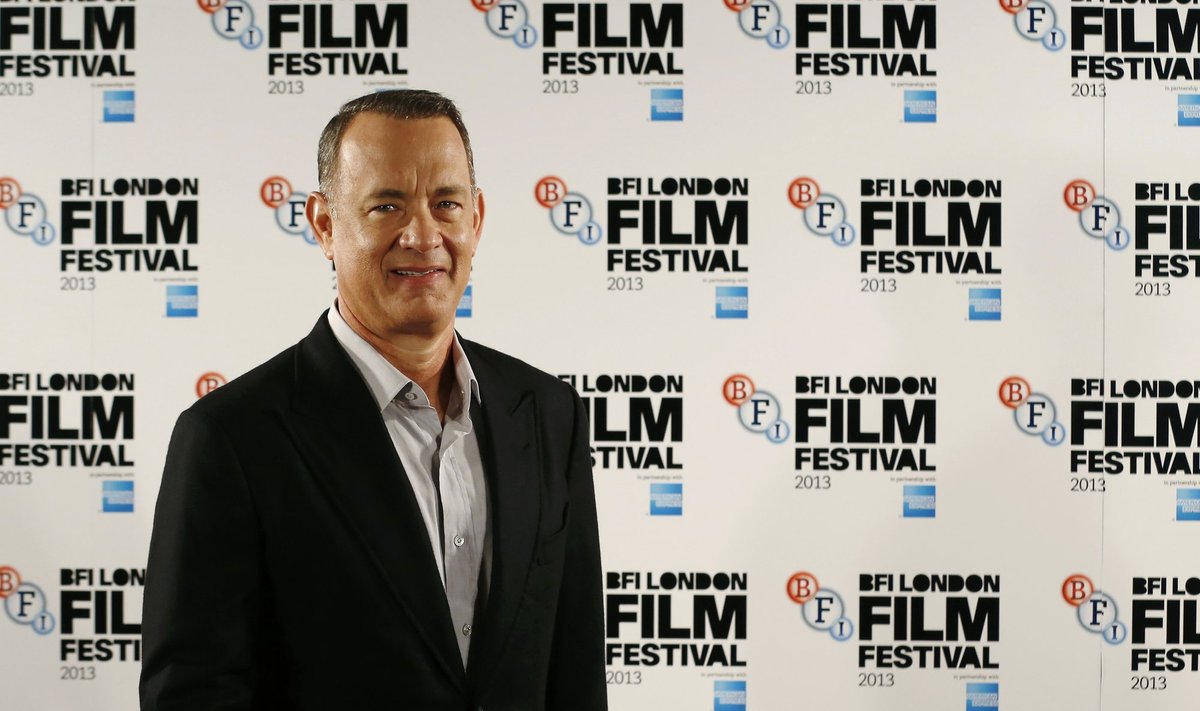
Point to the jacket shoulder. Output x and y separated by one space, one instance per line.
518 372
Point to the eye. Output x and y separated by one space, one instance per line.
386 207
447 205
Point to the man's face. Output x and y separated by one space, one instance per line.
404 223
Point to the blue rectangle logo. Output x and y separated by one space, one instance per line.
983 697
183 300
1187 504
666 104
729 696
733 302
920 501
920 106
118 106
666 499
464 304
983 305
117 496
1189 109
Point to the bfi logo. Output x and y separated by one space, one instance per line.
822 607
570 212
276 193
824 214
759 411
1099 217
1096 611
761 20
25 213
1036 21
508 19
234 20
1034 413
24 602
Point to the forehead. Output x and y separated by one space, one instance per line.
380 146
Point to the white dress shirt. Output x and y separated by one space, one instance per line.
443 466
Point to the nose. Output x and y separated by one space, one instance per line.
422 233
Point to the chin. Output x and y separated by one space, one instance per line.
421 323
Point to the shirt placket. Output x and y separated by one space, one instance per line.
460 545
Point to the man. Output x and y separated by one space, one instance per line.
383 516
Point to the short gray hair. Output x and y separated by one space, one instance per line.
403 104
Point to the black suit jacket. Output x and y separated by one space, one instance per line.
290 567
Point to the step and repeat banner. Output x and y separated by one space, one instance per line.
883 310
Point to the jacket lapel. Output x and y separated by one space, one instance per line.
507 425
338 429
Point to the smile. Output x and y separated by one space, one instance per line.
415 273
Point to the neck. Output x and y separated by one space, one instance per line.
423 358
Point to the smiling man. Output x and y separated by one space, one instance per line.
384 515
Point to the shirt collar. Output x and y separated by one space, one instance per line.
383 379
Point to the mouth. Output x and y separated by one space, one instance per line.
417 272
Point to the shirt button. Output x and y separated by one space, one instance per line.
410 396
467 630
459 540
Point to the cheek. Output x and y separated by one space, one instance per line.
464 241
360 246
356 264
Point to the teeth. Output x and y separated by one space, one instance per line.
402 272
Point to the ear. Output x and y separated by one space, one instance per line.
320 218
477 222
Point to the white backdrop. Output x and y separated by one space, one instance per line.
844 137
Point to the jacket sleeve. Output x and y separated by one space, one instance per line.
200 610
576 681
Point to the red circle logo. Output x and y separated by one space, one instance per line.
275 191
549 191
1013 391
1077 588
802 586
10 192
803 192
1012 7
10 580
1079 194
737 389
209 382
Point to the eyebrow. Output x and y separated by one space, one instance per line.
451 191
443 191
387 193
